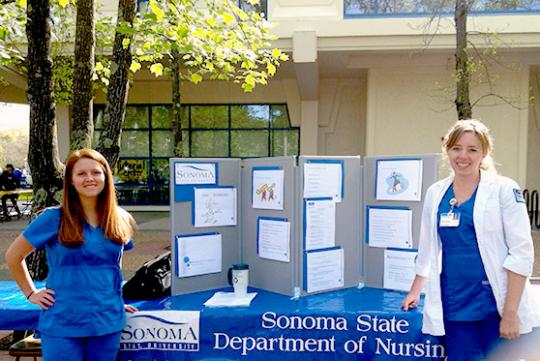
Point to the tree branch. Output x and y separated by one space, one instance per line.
498 96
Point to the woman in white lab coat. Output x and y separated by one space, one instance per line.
475 252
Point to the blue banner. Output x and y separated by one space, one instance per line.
359 324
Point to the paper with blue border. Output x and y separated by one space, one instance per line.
319 223
214 207
399 271
398 179
324 269
201 174
389 227
274 238
267 185
198 254
324 178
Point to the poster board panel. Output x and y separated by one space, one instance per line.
271 275
374 256
227 173
349 214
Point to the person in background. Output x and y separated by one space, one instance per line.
475 252
9 181
82 310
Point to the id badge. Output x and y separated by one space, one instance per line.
449 220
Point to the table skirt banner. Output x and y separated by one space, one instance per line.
360 324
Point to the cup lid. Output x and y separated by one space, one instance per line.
240 266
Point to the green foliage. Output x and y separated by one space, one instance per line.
13 40
217 39
12 33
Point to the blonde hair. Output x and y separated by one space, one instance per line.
117 225
481 131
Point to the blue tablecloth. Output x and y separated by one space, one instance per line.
16 313
343 324
359 324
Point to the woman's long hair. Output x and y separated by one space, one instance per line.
117 224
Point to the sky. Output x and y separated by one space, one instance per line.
14 116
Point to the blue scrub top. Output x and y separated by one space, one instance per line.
86 280
466 293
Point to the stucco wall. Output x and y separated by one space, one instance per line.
12 94
342 117
533 151
405 116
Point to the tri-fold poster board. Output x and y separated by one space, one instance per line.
303 225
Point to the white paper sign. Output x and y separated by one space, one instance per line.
390 228
215 207
325 270
398 269
323 180
399 180
230 299
320 224
194 173
274 238
268 189
198 254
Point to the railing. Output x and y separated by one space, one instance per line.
531 198
367 8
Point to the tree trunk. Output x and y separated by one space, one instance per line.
117 92
43 158
177 105
83 124
43 153
463 103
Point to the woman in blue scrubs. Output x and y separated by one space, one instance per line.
475 252
82 308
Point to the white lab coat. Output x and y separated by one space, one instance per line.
504 240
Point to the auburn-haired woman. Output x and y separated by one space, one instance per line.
82 308
475 252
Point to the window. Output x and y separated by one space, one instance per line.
239 131
142 6
367 8
259 7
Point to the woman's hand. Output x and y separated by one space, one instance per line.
44 298
413 297
509 327
410 301
130 308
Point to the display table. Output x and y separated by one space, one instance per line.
19 191
365 324
359 324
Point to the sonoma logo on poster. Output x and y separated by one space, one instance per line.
161 330
194 173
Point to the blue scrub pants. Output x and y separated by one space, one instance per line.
98 348
472 341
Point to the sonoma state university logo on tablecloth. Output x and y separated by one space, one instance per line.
161 330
